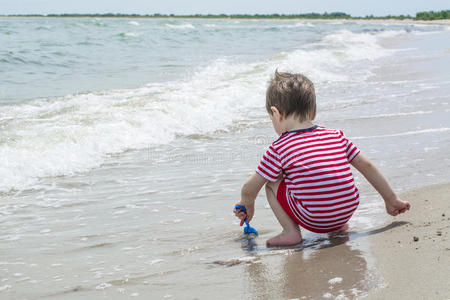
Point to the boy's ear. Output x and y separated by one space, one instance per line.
276 113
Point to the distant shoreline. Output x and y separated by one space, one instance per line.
352 19
420 16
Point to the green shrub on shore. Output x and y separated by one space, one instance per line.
431 15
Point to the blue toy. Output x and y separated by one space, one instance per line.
247 229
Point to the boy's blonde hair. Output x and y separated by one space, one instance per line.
291 94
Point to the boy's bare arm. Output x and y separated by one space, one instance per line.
365 166
248 195
251 188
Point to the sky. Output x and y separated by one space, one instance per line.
352 7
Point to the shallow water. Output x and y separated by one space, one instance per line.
127 189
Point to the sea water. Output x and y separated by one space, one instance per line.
124 144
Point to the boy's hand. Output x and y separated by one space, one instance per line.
241 215
397 206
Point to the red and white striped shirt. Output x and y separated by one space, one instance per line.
315 163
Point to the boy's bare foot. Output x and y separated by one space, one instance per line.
343 228
285 239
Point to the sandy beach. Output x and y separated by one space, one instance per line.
414 259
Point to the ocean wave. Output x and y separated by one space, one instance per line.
359 46
337 56
181 26
44 27
63 136
98 22
14 58
75 133
295 25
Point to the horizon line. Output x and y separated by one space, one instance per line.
325 14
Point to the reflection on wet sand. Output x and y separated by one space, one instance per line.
313 276
321 268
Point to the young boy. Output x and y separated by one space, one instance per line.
307 169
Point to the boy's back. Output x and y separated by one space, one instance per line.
319 185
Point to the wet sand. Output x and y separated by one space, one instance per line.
414 259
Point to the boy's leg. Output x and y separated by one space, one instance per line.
291 232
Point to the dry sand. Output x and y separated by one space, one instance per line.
414 259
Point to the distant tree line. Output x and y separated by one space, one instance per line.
426 15
333 15
431 15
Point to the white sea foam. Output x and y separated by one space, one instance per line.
103 286
288 25
155 261
297 24
5 287
181 26
75 133
338 56
335 280
359 46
